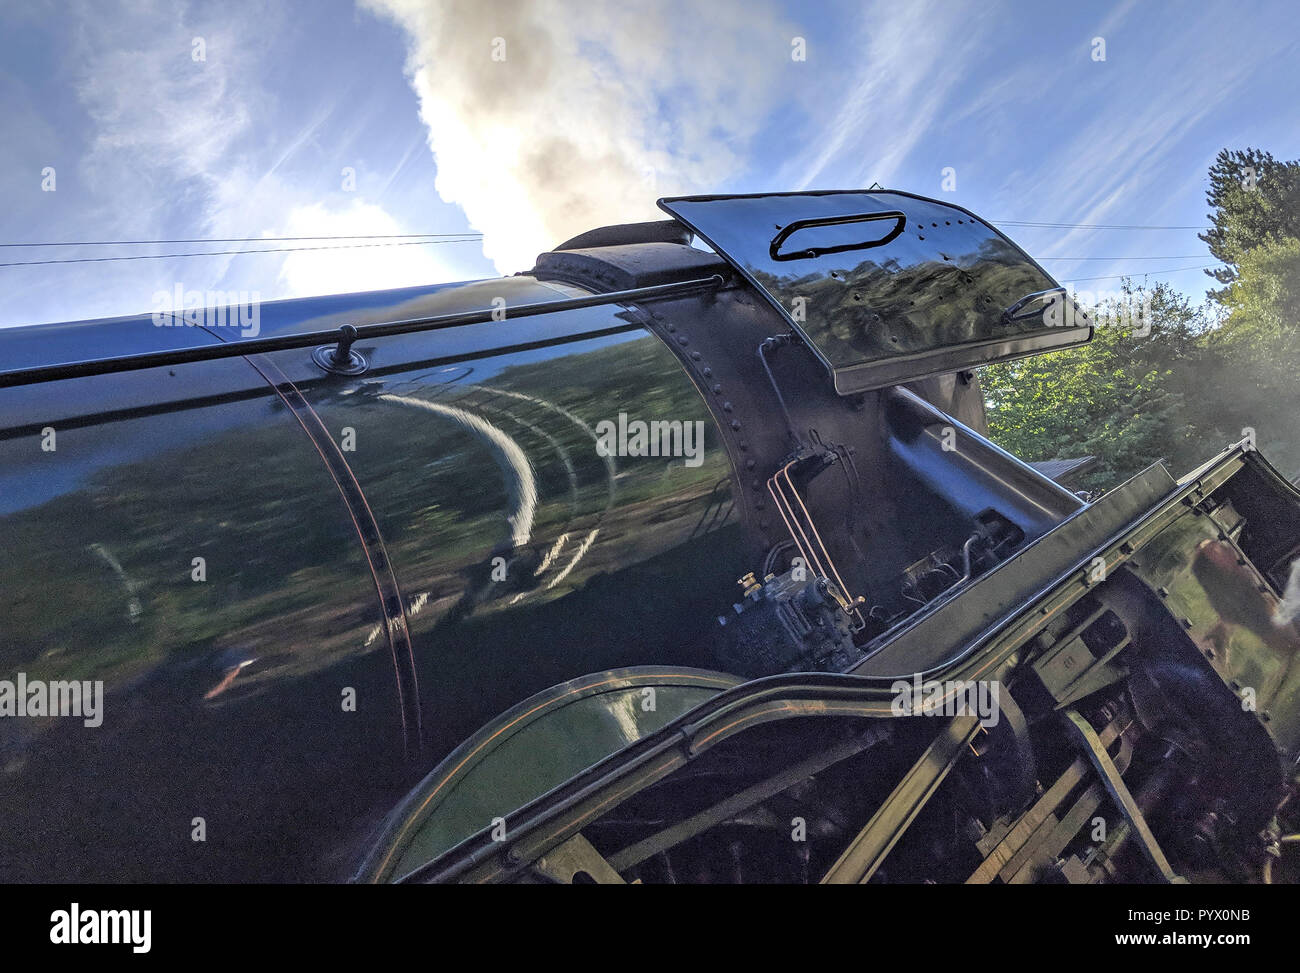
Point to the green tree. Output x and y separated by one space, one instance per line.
1122 398
1201 376
1255 201
1256 346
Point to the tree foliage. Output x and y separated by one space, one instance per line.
1185 380
1255 201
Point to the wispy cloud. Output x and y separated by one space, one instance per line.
164 126
908 62
1136 157
170 145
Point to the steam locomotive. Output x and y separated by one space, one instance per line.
683 557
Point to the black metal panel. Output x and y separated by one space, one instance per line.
224 697
654 231
948 626
527 557
340 357
886 287
622 267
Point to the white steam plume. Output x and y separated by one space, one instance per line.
547 118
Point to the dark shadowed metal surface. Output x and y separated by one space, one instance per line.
225 697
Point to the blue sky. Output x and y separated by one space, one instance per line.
531 120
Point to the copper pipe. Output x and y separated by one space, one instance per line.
792 525
801 537
813 527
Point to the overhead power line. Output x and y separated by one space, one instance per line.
1145 273
1093 226
1185 256
422 239
468 233
221 253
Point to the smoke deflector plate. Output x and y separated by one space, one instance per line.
886 287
